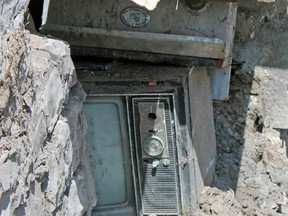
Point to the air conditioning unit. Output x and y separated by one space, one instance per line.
182 32
144 137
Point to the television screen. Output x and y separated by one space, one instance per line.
107 139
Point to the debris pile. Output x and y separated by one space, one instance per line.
251 126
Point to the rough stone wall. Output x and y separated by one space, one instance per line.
43 163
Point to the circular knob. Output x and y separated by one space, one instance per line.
153 145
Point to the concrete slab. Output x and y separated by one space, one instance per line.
274 84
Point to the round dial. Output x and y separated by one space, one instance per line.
153 145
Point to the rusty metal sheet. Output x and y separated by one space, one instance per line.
142 42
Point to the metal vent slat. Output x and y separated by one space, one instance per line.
159 193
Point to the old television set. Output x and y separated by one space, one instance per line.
139 137
150 132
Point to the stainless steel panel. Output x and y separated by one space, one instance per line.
152 122
158 185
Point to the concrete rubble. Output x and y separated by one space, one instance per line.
43 164
251 126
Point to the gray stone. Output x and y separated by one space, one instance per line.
44 166
274 84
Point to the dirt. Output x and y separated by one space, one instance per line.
252 167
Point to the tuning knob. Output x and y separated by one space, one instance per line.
153 145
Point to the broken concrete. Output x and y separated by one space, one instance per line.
43 163
251 126
274 84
